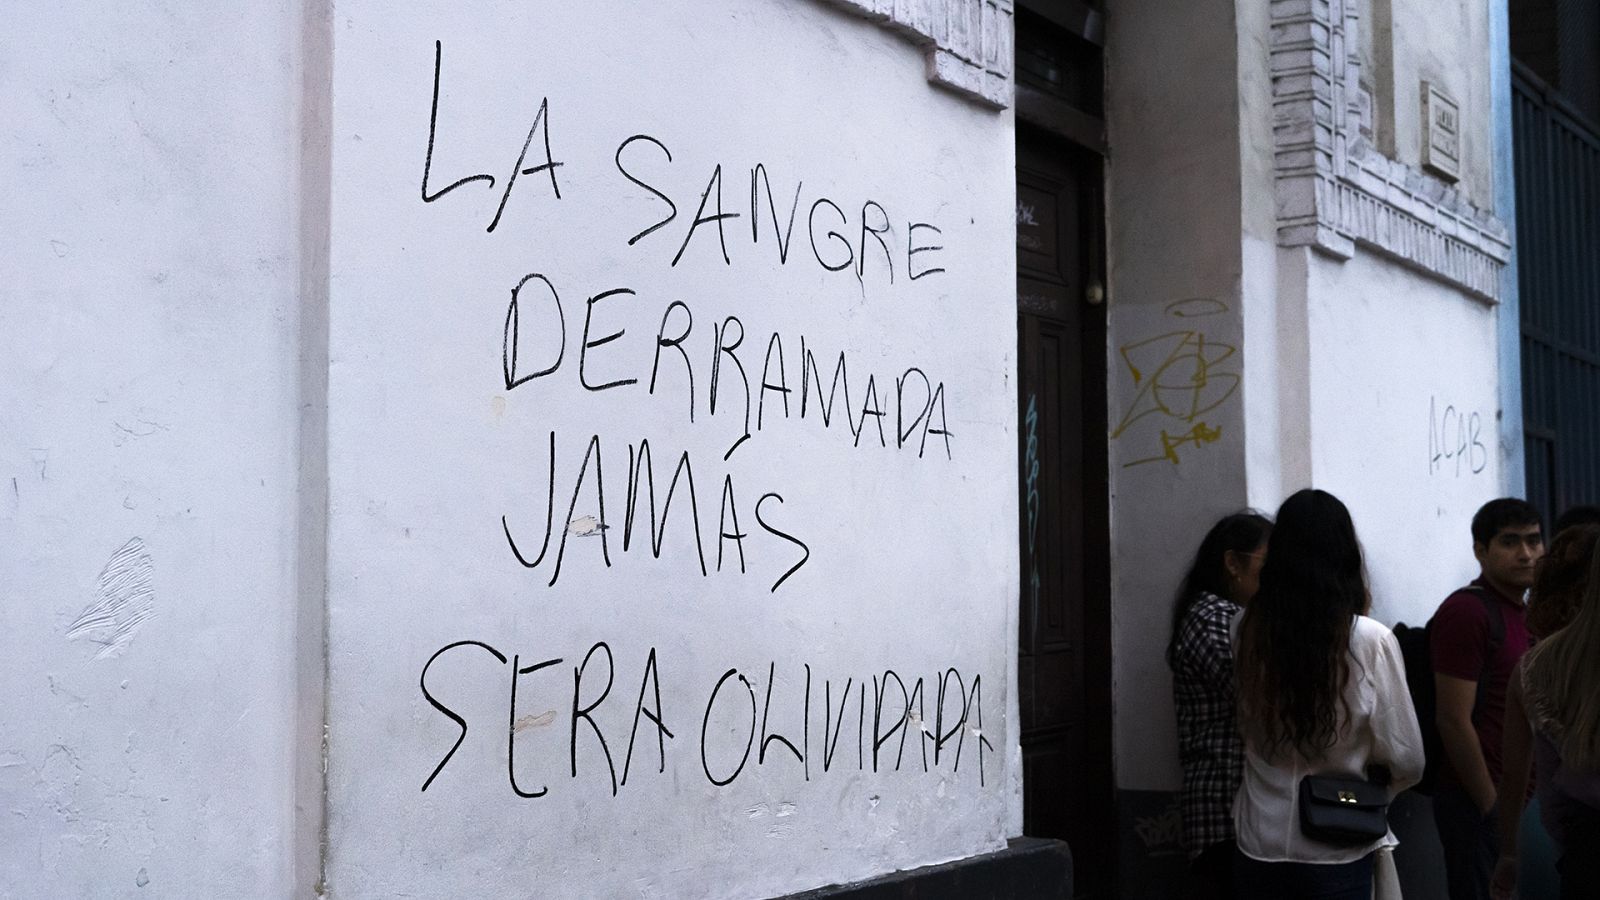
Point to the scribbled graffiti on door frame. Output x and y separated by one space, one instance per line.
1031 481
1183 381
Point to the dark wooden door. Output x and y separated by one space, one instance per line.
1063 669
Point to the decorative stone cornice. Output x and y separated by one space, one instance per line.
968 42
1334 189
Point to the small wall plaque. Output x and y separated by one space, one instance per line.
1441 133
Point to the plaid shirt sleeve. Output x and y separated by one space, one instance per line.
1206 643
1209 743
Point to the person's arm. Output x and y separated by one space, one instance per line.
1513 787
1459 638
1213 647
1455 698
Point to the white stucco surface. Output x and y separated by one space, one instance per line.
148 325
1404 403
1430 40
891 558
1176 356
1404 43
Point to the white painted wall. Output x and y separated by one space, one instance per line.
1404 396
1276 394
1431 38
1176 313
148 455
1404 43
909 558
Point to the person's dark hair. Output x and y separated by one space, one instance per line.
1294 639
1577 515
1563 577
1498 515
1242 532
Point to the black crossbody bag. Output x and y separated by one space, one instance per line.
1344 810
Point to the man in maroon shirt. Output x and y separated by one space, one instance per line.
1475 640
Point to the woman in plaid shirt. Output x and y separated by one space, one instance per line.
1200 653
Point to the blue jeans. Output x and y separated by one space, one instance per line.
1257 880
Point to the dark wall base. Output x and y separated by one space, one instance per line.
1028 868
1151 861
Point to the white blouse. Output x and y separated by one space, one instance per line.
1378 727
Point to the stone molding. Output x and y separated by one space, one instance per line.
968 42
1334 189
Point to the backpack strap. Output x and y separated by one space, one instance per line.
1497 638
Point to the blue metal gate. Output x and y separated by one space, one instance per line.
1558 260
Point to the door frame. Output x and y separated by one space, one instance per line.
1047 122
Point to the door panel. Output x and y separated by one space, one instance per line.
1063 663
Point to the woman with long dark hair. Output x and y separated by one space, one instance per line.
1200 653
1527 855
1321 692
1553 715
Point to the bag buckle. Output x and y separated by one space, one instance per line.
1347 797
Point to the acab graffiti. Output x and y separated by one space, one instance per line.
1179 377
1455 437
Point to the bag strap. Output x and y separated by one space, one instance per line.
1497 638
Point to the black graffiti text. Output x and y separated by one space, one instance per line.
808 725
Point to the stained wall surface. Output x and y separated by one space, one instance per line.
148 450
670 436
